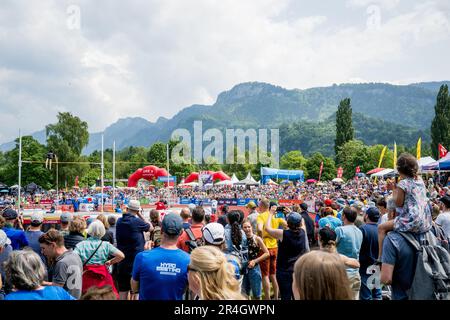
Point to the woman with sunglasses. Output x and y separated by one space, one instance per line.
211 276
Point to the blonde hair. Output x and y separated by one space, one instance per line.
77 225
321 275
215 274
104 220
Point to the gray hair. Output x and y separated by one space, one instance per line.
25 269
96 229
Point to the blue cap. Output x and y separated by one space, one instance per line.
373 213
172 224
294 219
10 214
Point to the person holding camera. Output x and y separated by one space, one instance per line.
292 244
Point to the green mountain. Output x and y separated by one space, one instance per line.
382 113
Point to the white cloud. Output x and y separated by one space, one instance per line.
151 59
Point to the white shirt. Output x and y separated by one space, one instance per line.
443 219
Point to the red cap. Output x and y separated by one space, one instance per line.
328 202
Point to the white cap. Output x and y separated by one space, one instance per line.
134 205
37 217
214 233
4 240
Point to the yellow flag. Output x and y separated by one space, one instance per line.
381 157
419 145
395 155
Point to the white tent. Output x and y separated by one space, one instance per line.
224 183
337 180
425 162
190 184
382 173
271 182
234 179
249 181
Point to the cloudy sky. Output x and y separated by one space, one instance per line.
108 59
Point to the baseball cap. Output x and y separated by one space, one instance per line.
4 240
172 224
10 214
373 213
445 200
294 219
251 205
328 202
66 217
37 217
214 233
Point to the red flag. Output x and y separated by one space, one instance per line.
76 181
320 171
442 151
358 169
340 171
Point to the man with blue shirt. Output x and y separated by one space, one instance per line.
369 253
348 243
17 237
34 232
161 273
130 240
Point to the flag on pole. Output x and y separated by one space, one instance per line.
381 157
76 182
358 169
395 155
340 171
320 171
419 145
442 151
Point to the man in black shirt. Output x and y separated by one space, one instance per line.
309 223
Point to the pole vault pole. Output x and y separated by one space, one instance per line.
114 174
20 170
103 166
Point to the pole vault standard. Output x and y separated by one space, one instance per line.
103 167
20 170
114 174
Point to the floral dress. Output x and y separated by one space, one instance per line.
415 215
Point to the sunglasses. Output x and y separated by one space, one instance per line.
191 269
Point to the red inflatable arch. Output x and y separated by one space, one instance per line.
149 173
219 175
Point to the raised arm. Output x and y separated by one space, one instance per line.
276 233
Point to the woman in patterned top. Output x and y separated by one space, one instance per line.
410 196
257 252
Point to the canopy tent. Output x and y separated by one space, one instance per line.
234 179
271 182
337 180
375 171
425 161
32 187
311 181
270 173
248 181
383 173
441 164
189 184
224 183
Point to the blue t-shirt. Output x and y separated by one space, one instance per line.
33 242
348 243
399 253
47 293
162 274
369 247
330 221
17 237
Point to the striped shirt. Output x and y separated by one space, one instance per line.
87 247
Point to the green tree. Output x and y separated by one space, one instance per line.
66 139
344 125
313 167
352 154
293 160
440 124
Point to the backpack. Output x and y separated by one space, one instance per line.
193 242
432 272
156 236
241 255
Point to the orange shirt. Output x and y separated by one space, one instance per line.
196 230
